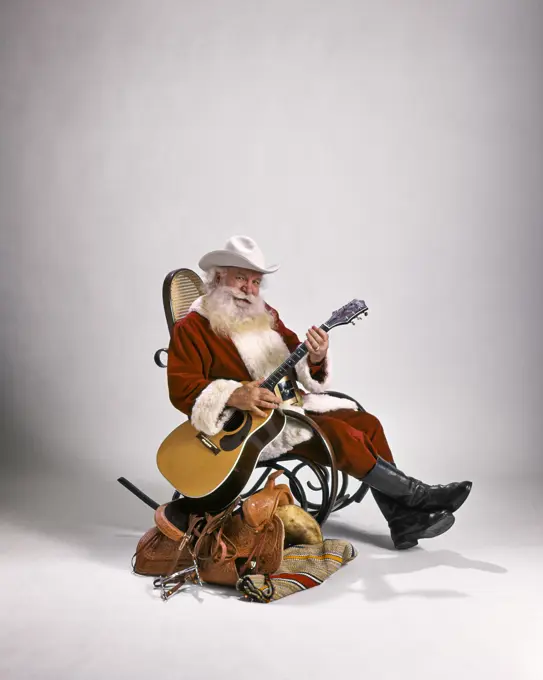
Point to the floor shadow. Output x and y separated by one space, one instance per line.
103 522
367 577
368 574
351 533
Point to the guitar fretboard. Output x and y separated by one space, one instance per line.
289 363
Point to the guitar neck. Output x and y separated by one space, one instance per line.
289 363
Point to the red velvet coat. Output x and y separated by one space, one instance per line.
204 369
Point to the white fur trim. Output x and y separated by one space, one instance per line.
197 306
293 433
262 351
210 412
304 376
322 403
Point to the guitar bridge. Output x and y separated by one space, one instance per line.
207 442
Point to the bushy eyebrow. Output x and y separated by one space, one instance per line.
256 278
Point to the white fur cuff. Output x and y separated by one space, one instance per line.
210 412
304 376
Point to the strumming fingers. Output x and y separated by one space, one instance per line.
258 412
268 395
267 404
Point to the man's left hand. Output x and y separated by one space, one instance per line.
317 344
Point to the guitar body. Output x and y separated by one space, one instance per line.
210 471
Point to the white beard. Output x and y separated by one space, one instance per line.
231 312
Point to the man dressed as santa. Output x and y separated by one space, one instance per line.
231 335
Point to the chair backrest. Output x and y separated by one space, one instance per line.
179 290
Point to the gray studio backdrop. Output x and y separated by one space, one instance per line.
390 151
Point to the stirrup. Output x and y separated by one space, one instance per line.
173 583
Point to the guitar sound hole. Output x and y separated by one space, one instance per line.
234 422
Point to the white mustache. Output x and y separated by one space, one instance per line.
247 298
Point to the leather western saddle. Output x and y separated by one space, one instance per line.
246 538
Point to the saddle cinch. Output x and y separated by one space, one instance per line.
248 537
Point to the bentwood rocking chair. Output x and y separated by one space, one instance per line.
180 289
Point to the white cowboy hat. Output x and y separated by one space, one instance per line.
239 251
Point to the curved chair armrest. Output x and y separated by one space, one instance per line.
325 511
342 395
343 498
158 362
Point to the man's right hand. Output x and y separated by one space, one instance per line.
250 397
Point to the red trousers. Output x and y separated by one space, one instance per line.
356 437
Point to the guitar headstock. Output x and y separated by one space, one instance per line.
348 313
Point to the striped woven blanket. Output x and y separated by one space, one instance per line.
302 567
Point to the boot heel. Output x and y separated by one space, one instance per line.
405 544
440 527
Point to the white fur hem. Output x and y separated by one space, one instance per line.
295 432
304 376
292 434
322 403
209 412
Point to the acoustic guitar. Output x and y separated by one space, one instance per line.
210 471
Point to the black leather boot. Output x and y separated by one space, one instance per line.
413 493
408 525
